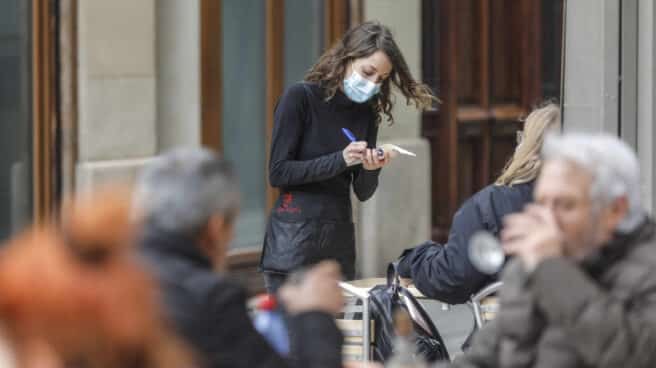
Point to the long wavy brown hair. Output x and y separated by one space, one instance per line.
361 42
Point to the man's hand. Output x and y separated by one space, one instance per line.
405 282
317 291
532 235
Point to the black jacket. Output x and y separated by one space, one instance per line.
312 221
209 311
444 272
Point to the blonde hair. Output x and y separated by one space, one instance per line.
525 163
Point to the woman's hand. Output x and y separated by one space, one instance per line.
354 153
372 161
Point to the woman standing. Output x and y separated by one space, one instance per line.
324 142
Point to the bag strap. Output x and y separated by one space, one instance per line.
393 278
394 281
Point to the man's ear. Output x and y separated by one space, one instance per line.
215 226
209 236
220 228
617 211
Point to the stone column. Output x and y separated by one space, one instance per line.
116 84
398 215
591 65
609 76
178 72
646 90
138 81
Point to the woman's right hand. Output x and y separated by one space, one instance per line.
354 153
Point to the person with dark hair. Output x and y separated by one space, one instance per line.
187 202
324 142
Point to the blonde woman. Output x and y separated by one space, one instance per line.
444 272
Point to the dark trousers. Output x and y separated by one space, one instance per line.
273 281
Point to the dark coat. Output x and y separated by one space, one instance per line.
599 313
209 311
444 272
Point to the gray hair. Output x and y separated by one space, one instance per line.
180 190
611 162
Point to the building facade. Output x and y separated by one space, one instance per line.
90 90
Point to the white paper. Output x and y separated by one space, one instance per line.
393 151
394 148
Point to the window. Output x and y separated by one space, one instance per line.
243 115
304 37
15 117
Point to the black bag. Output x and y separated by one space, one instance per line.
383 301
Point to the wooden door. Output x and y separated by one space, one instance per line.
489 62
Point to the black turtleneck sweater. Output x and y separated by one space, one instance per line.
307 145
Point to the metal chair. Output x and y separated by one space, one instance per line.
482 311
353 295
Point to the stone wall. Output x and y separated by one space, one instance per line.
138 85
398 215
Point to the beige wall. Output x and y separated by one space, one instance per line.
646 115
117 88
178 73
398 215
597 42
404 19
138 82
116 79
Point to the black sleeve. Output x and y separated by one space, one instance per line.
365 182
289 120
230 339
444 272
316 342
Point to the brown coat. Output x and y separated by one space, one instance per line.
599 313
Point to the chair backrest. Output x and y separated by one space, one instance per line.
484 305
358 334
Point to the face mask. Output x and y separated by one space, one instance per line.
360 89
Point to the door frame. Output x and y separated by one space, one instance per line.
45 117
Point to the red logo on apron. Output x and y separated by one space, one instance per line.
286 205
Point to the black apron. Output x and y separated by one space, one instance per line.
306 228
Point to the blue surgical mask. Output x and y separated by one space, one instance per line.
360 89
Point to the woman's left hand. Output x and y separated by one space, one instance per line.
371 160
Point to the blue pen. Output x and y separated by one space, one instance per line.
351 137
349 134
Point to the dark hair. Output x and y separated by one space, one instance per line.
362 41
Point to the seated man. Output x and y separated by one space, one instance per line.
188 201
581 290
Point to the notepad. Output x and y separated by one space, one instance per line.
395 150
